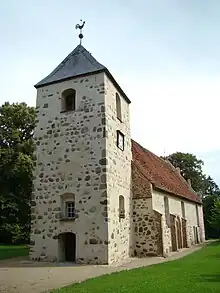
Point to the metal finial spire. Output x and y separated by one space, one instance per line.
78 26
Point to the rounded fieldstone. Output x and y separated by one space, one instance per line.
104 202
93 241
33 203
85 129
97 170
41 175
92 210
103 161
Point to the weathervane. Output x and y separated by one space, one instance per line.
78 26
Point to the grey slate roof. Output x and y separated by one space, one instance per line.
78 62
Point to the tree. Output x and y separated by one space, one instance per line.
17 123
190 168
210 187
215 216
208 203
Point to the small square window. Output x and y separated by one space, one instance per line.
120 140
70 209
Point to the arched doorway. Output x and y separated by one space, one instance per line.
67 247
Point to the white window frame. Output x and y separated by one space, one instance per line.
70 209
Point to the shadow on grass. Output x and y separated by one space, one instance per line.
210 278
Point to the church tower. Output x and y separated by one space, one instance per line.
82 179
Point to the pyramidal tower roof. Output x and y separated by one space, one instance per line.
78 63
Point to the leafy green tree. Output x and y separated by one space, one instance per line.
208 203
17 123
190 168
215 216
210 187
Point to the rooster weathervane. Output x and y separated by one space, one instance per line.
80 27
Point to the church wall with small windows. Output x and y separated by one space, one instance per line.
182 226
163 223
118 154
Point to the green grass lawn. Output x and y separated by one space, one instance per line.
196 273
9 251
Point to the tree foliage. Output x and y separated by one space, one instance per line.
17 123
215 215
192 168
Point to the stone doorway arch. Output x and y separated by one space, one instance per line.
67 247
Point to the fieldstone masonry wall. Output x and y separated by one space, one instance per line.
146 229
118 175
71 158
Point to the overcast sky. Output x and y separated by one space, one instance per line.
163 53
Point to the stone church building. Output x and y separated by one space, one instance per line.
98 196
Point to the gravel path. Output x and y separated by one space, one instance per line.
23 276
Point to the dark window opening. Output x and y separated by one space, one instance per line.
118 107
68 100
121 207
69 103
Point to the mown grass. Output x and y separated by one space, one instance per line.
9 251
196 273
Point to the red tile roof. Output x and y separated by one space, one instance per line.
162 174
